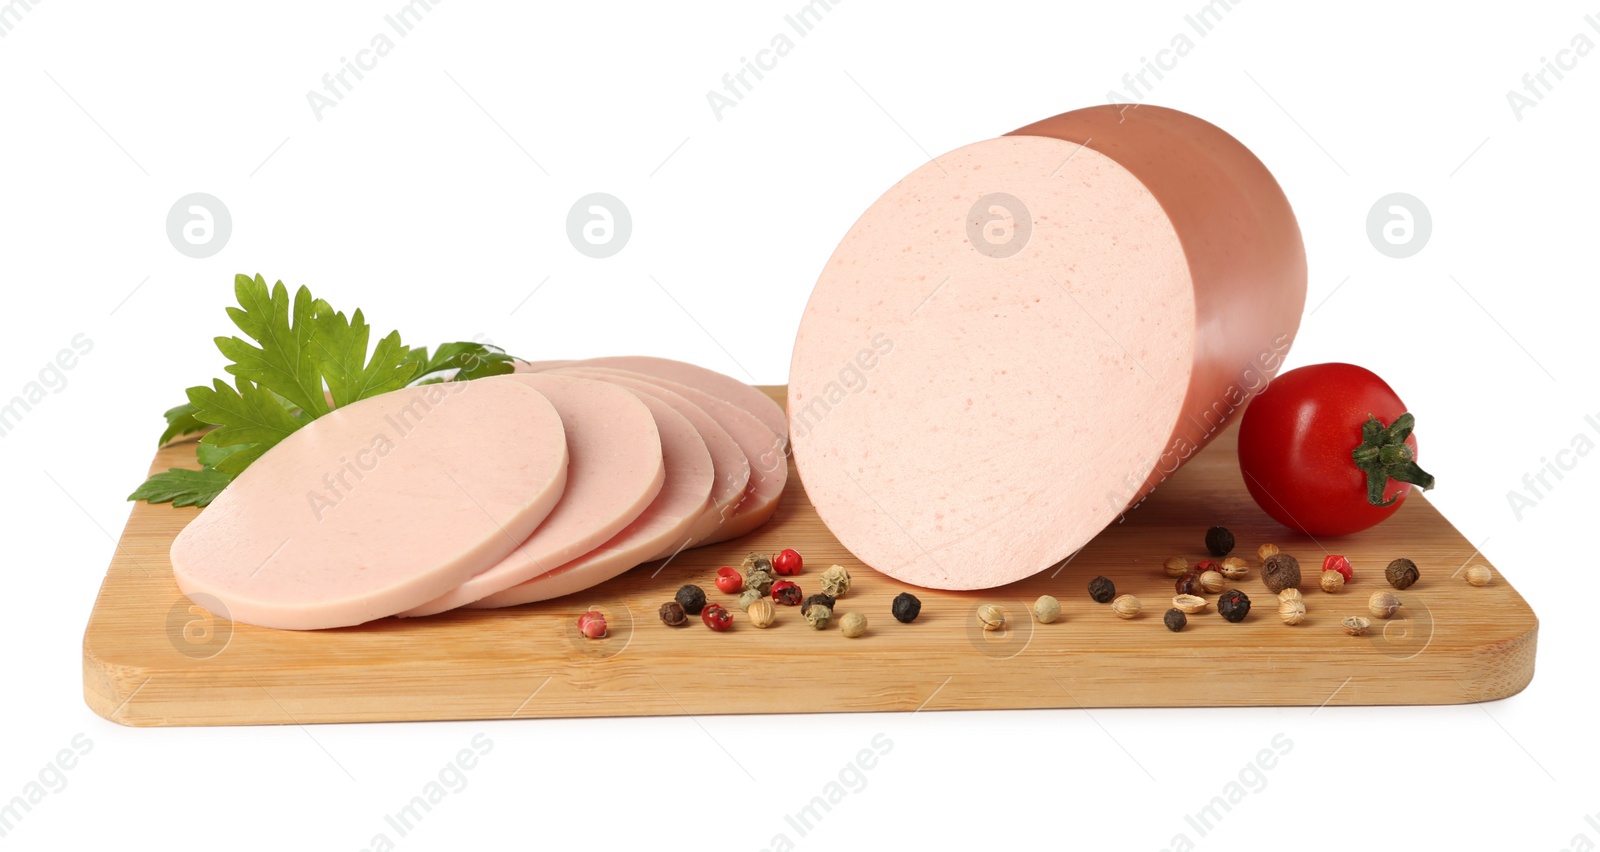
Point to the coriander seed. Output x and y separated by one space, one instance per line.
1190 603
1234 568
1219 541
1355 625
906 607
1292 610
1280 571
1332 581
1479 575
1212 582
1291 595
1175 620
672 614
1189 584
762 612
1383 604
853 624
836 580
1102 590
1046 609
1233 605
1265 551
1175 566
991 617
1126 606
1401 573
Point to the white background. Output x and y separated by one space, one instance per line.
435 195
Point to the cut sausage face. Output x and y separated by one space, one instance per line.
615 470
663 529
769 468
1019 340
378 506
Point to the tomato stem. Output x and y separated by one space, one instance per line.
1384 455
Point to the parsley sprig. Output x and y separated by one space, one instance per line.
298 360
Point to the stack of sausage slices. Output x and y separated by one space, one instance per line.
489 493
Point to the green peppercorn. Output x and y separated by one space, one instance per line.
1401 573
906 607
1280 571
672 615
818 615
1175 620
760 579
1233 605
1102 590
748 597
692 598
1219 541
822 598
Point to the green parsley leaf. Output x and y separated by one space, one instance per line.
340 349
180 421
182 487
284 363
248 415
470 360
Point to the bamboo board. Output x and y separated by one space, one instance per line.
151 659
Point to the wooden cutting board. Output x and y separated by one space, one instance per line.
150 657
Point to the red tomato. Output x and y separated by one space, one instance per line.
1298 448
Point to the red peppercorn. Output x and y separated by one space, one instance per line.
729 580
786 592
1334 562
592 625
716 617
787 563
1205 565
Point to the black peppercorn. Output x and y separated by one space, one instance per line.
1401 573
1233 605
692 598
1102 590
1219 542
1280 571
824 599
1175 620
672 615
906 607
1189 584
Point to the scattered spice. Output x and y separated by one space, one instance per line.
1046 609
1292 610
1335 562
991 617
1355 625
818 614
1219 541
748 597
762 613
1234 568
716 617
1175 566
836 580
756 562
1401 573
692 598
786 592
592 625
1189 584
1190 603
815 600
906 607
729 581
1479 575
1383 604
1212 582
672 615
1291 595
1102 590
1332 581
1175 620
1265 551
1280 571
853 624
760 580
787 562
1126 606
1233 605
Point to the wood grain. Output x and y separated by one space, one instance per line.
151 658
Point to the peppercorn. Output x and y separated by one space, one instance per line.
692 598
1126 606
756 562
762 613
787 563
818 614
729 581
991 617
836 580
1046 609
1335 562
1234 568
760 580
823 599
1332 581
1401 573
1355 625
1175 566
1102 590
1233 605
1280 571
1219 541
592 625
1479 575
1265 551
786 592
906 607
748 597
853 624
1383 604
1175 620
1292 610
1189 584
672 615
1211 582
716 617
